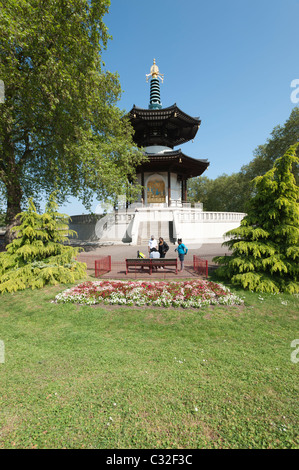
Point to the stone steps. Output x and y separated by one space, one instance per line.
156 228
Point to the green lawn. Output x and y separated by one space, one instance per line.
143 378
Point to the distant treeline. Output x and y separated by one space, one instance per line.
232 192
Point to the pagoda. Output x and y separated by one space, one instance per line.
158 130
162 209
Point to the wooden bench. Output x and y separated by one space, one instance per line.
151 263
164 262
142 262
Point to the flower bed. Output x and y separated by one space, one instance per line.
185 294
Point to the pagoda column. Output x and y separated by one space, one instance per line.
142 184
185 194
184 190
169 189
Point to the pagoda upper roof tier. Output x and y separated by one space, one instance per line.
173 161
166 126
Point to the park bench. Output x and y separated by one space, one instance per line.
140 262
151 263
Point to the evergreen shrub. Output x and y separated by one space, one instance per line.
39 254
265 248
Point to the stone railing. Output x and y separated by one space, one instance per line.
194 215
163 205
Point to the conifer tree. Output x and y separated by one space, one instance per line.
265 248
38 255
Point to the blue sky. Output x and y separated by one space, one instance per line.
231 63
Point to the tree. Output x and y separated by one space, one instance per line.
198 189
282 137
38 254
265 248
224 193
232 192
60 126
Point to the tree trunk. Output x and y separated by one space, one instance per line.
14 197
11 179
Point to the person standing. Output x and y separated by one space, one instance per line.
163 247
152 243
182 251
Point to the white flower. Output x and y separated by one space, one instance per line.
166 294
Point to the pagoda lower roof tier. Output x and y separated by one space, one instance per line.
166 126
175 162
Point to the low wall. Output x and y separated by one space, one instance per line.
205 227
192 225
115 227
84 226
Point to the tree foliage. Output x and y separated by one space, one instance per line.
224 193
265 248
38 255
60 126
282 137
232 192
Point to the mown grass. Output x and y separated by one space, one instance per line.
123 377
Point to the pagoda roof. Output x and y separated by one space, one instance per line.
166 126
173 161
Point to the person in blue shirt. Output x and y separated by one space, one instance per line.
182 251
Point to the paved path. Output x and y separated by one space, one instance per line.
119 253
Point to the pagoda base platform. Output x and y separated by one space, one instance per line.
136 225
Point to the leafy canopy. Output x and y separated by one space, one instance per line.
231 192
60 126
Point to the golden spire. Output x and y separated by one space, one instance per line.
154 73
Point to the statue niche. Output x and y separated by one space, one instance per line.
155 191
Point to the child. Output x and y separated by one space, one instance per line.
182 251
